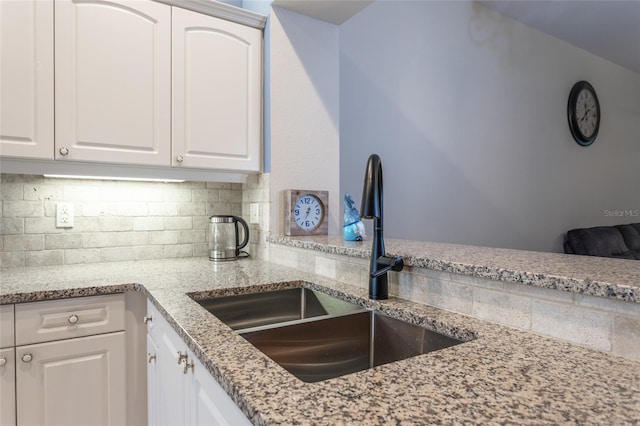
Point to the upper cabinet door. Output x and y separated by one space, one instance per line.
112 64
26 78
217 93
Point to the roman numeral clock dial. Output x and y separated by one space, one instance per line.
306 212
583 110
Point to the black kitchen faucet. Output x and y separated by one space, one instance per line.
371 208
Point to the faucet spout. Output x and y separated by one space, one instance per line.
371 208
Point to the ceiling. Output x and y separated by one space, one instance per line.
606 28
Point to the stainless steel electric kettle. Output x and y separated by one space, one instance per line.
224 239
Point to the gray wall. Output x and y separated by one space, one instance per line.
467 109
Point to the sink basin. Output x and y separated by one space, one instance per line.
316 337
331 347
245 312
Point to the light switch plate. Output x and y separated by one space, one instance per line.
64 215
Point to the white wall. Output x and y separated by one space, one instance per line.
304 108
467 109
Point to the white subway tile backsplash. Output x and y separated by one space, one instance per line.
41 225
179 250
626 336
163 237
23 242
62 241
44 257
115 223
42 192
148 223
178 222
81 256
11 225
131 208
11 191
178 195
148 252
573 323
12 259
113 220
117 254
114 239
502 308
192 236
22 209
325 267
192 209
162 209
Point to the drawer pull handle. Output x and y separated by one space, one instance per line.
3 361
73 319
147 319
27 357
64 151
182 357
179 158
151 358
188 365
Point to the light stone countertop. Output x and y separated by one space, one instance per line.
596 276
502 376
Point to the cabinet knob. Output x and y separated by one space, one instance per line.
179 158
182 357
73 319
64 151
151 358
147 319
27 357
3 361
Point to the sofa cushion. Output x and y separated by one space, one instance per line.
605 241
631 235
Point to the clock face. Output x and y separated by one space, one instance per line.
308 212
584 113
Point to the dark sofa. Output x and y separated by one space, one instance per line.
620 241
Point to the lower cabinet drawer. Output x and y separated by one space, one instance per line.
50 320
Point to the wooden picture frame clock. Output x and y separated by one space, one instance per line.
306 212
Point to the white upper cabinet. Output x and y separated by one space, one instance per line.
137 83
217 93
26 78
113 81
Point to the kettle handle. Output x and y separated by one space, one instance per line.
245 238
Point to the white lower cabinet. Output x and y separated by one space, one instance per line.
66 364
180 390
7 387
72 382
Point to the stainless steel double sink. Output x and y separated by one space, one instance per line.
316 336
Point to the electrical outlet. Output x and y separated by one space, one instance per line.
64 215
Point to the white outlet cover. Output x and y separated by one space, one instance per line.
64 215
254 213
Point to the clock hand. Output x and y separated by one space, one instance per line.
585 115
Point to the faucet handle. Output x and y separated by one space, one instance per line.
388 263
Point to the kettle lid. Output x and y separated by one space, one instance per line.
222 219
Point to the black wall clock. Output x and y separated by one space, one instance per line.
583 110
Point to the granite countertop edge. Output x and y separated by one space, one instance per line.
617 279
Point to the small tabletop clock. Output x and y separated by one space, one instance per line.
583 110
306 212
